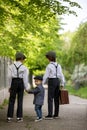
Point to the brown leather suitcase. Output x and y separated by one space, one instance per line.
64 97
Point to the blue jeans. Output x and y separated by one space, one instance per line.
38 109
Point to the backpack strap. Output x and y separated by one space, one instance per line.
17 69
56 68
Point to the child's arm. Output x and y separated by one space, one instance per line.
34 91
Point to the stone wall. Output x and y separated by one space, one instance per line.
4 63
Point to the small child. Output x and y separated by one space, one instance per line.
38 92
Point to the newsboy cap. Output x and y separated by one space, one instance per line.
38 77
51 54
20 55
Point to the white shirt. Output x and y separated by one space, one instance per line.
51 72
22 71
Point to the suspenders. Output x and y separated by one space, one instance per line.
17 69
56 68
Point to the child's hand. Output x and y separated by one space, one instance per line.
27 91
61 87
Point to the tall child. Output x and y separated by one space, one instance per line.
18 81
55 79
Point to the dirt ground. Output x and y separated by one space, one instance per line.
72 116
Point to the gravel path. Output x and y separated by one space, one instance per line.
72 116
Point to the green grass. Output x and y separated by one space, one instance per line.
82 92
5 102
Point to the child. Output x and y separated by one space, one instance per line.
18 81
55 76
38 92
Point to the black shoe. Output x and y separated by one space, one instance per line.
9 119
55 116
48 117
38 119
19 119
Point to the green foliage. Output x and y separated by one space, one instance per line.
32 26
82 92
79 45
75 48
67 75
5 102
74 53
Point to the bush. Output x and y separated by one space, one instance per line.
79 76
82 92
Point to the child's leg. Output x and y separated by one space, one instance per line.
20 102
38 110
11 104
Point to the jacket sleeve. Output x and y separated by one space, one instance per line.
34 91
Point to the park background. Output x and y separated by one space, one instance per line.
34 27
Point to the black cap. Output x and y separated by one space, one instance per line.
38 77
51 54
20 55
